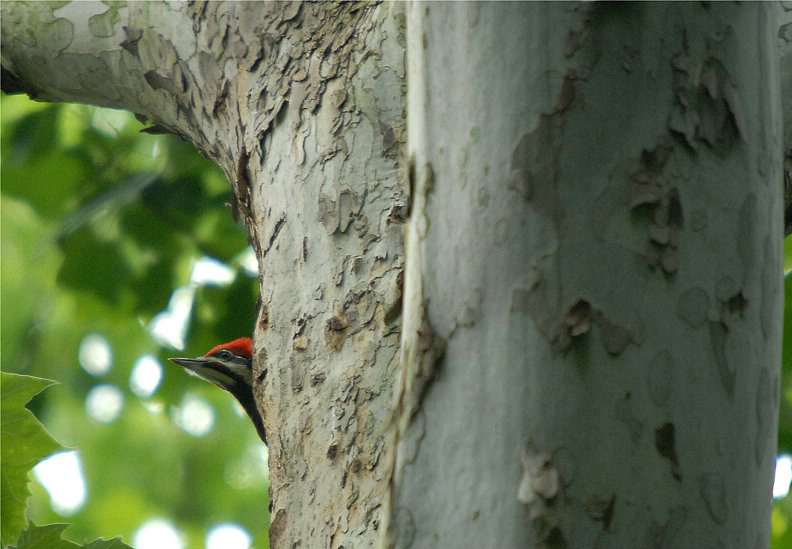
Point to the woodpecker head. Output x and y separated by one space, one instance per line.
230 367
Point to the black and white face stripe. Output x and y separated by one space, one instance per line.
232 372
223 368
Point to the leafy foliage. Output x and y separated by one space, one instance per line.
101 227
44 537
49 537
23 443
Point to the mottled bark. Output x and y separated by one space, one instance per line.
784 23
591 331
591 315
302 105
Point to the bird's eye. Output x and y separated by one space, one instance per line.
223 354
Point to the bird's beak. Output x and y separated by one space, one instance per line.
206 368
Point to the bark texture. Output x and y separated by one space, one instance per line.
591 332
302 105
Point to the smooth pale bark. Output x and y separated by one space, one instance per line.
591 349
302 105
591 332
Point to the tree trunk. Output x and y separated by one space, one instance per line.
591 315
591 332
302 105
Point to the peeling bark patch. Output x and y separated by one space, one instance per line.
573 324
275 232
578 318
728 377
278 528
765 405
242 202
534 173
263 317
567 94
102 25
712 491
337 214
601 509
707 108
616 337
665 442
133 36
540 479
733 301
661 374
646 187
693 307
662 207
334 332
300 343
159 82
538 489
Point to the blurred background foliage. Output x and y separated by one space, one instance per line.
106 235
118 251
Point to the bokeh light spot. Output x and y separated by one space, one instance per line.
248 261
146 376
157 533
61 475
211 272
169 327
783 476
228 536
95 354
195 415
104 403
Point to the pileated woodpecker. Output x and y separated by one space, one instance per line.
230 367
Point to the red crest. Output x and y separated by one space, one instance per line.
241 347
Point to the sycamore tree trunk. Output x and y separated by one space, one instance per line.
302 105
591 331
586 351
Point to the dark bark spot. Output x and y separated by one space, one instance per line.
133 36
665 442
535 169
718 333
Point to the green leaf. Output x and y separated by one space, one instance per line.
44 537
49 537
100 543
24 442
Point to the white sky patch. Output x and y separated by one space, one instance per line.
104 403
211 272
146 376
158 533
783 476
170 326
61 475
247 260
95 355
109 121
228 536
195 415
